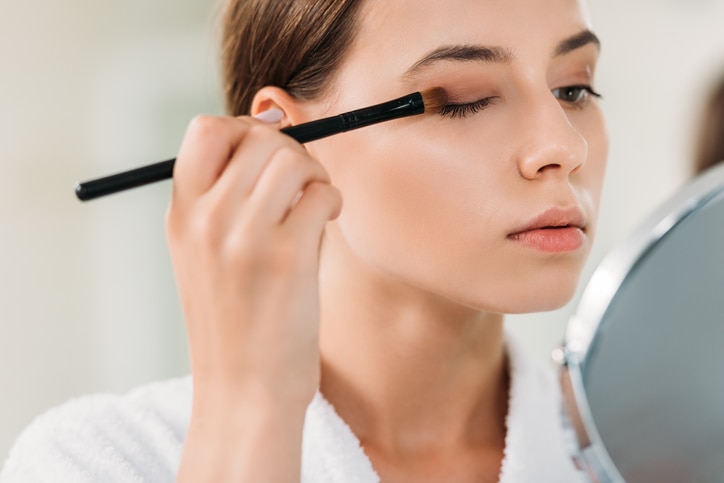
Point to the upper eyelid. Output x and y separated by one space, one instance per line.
463 109
467 103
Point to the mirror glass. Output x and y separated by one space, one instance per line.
646 359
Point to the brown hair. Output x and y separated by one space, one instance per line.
710 149
296 45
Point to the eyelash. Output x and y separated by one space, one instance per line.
461 111
584 92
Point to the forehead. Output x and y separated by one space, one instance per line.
394 34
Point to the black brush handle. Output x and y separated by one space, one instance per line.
311 131
125 180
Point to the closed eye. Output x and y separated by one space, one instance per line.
463 110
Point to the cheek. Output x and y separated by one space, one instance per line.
399 194
400 197
428 213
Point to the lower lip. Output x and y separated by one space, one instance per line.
551 240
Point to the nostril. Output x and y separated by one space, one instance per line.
548 167
541 169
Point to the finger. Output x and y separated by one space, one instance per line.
207 147
286 174
249 160
320 203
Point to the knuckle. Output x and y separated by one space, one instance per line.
261 132
242 253
204 126
275 255
287 157
208 227
268 136
200 229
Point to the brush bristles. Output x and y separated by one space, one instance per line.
434 99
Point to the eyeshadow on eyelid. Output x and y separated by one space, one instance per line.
463 71
472 92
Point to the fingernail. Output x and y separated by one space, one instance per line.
270 116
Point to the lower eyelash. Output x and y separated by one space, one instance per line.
461 111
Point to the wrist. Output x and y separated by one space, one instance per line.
252 436
253 396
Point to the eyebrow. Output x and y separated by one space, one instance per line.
494 54
576 41
461 53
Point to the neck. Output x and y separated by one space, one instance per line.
409 371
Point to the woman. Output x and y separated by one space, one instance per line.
365 341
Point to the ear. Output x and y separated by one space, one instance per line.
269 97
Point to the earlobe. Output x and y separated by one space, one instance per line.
269 97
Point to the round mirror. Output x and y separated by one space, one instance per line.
643 358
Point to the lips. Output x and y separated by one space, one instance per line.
555 231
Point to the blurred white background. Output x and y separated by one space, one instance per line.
87 297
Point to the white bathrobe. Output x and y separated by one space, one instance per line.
138 437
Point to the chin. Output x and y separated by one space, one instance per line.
542 304
544 298
524 297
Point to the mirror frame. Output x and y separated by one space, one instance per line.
590 453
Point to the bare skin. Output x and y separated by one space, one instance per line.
397 317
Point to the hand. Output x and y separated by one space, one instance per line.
244 227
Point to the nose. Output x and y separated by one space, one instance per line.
548 143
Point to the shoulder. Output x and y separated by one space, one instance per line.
137 436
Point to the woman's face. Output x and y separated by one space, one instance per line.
491 203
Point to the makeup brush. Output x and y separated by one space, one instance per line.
430 100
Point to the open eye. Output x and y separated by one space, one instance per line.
575 95
463 110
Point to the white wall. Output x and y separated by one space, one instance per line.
87 300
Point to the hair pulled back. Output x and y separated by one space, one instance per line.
296 45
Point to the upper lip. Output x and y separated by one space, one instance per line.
554 218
